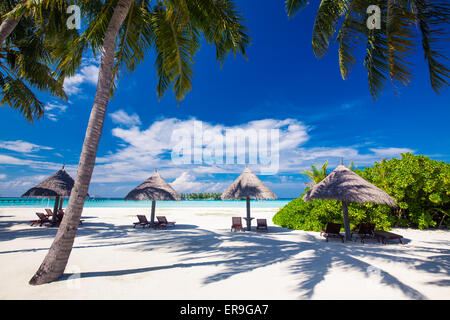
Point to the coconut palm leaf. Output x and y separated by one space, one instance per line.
389 49
351 35
400 41
430 17
316 175
324 25
294 6
175 44
28 56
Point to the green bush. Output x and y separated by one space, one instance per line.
312 216
420 186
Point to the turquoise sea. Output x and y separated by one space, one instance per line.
114 202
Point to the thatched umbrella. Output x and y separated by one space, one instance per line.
154 188
57 186
247 185
344 185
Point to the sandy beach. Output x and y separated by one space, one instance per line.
201 259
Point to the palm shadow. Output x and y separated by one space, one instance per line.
261 250
224 248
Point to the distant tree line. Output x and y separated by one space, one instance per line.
201 196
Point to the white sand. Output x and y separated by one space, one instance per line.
201 259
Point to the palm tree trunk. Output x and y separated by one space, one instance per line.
56 260
7 26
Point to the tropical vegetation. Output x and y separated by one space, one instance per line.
420 186
201 196
123 32
30 34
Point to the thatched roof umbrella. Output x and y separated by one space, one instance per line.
154 188
57 186
344 185
248 185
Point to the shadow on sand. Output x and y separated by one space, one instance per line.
224 248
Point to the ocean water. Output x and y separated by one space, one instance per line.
114 203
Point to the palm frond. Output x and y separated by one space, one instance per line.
400 41
324 25
221 24
174 44
16 94
430 17
135 39
351 34
294 6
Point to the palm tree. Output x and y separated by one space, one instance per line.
316 175
389 49
124 30
27 56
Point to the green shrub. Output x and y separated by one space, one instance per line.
420 186
313 216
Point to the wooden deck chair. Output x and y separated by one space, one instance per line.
142 221
365 231
49 212
383 236
332 230
60 216
236 224
42 219
163 223
261 225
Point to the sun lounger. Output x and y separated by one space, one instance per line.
163 223
332 230
383 236
49 212
261 225
236 224
365 231
60 216
142 221
42 219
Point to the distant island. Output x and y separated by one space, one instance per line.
201 196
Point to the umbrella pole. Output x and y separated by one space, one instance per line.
348 235
152 217
55 209
249 227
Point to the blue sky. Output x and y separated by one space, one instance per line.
281 86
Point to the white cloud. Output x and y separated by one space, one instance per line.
53 110
142 150
19 185
22 146
35 164
121 117
87 74
2 176
188 183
